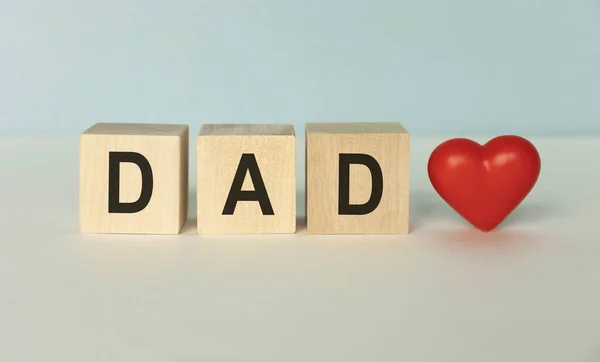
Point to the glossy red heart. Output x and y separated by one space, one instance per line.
484 183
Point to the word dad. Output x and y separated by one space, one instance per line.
134 178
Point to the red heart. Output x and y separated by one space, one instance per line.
484 184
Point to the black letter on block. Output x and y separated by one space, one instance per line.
114 170
344 207
248 164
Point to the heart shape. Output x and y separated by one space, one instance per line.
484 183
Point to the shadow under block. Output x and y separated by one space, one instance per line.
357 178
133 178
238 164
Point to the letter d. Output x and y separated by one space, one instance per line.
114 165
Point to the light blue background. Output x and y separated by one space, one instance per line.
437 66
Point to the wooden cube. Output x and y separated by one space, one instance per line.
246 179
357 178
133 178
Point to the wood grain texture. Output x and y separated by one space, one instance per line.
166 149
219 151
389 144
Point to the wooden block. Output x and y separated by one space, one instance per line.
239 164
357 178
133 178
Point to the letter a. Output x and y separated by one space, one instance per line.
248 164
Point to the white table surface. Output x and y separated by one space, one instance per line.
529 291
